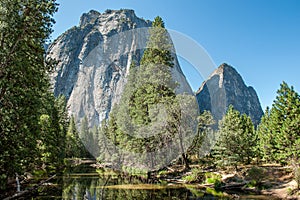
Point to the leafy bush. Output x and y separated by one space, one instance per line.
196 176
252 184
213 178
3 180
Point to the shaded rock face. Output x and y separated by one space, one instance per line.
226 87
94 60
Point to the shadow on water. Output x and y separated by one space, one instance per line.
84 182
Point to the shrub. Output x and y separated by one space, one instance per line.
256 175
297 176
213 178
196 176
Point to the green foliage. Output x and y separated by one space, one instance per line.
266 143
279 130
212 177
145 104
89 139
297 176
196 192
196 176
237 139
135 171
153 83
32 122
163 172
74 146
159 46
214 192
206 137
256 175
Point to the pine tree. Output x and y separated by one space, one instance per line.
236 139
25 27
248 139
283 126
54 135
154 82
74 146
115 137
266 143
86 137
103 142
149 87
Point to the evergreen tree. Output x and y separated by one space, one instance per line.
266 143
54 134
103 142
280 139
154 82
25 27
237 140
86 136
248 140
285 123
74 146
113 133
149 87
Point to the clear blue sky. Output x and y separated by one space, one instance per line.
260 38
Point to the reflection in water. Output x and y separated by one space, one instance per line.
83 182
98 188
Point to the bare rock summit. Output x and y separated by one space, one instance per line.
225 87
94 59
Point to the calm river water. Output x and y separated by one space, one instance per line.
84 182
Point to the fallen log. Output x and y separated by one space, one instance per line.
29 190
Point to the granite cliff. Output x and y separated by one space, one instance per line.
94 60
226 87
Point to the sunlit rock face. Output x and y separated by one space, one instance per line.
94 59
226 87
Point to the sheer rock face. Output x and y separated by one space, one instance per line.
94 60
226 87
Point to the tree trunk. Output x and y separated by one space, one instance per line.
186 162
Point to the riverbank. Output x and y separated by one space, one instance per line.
274 181
263 182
